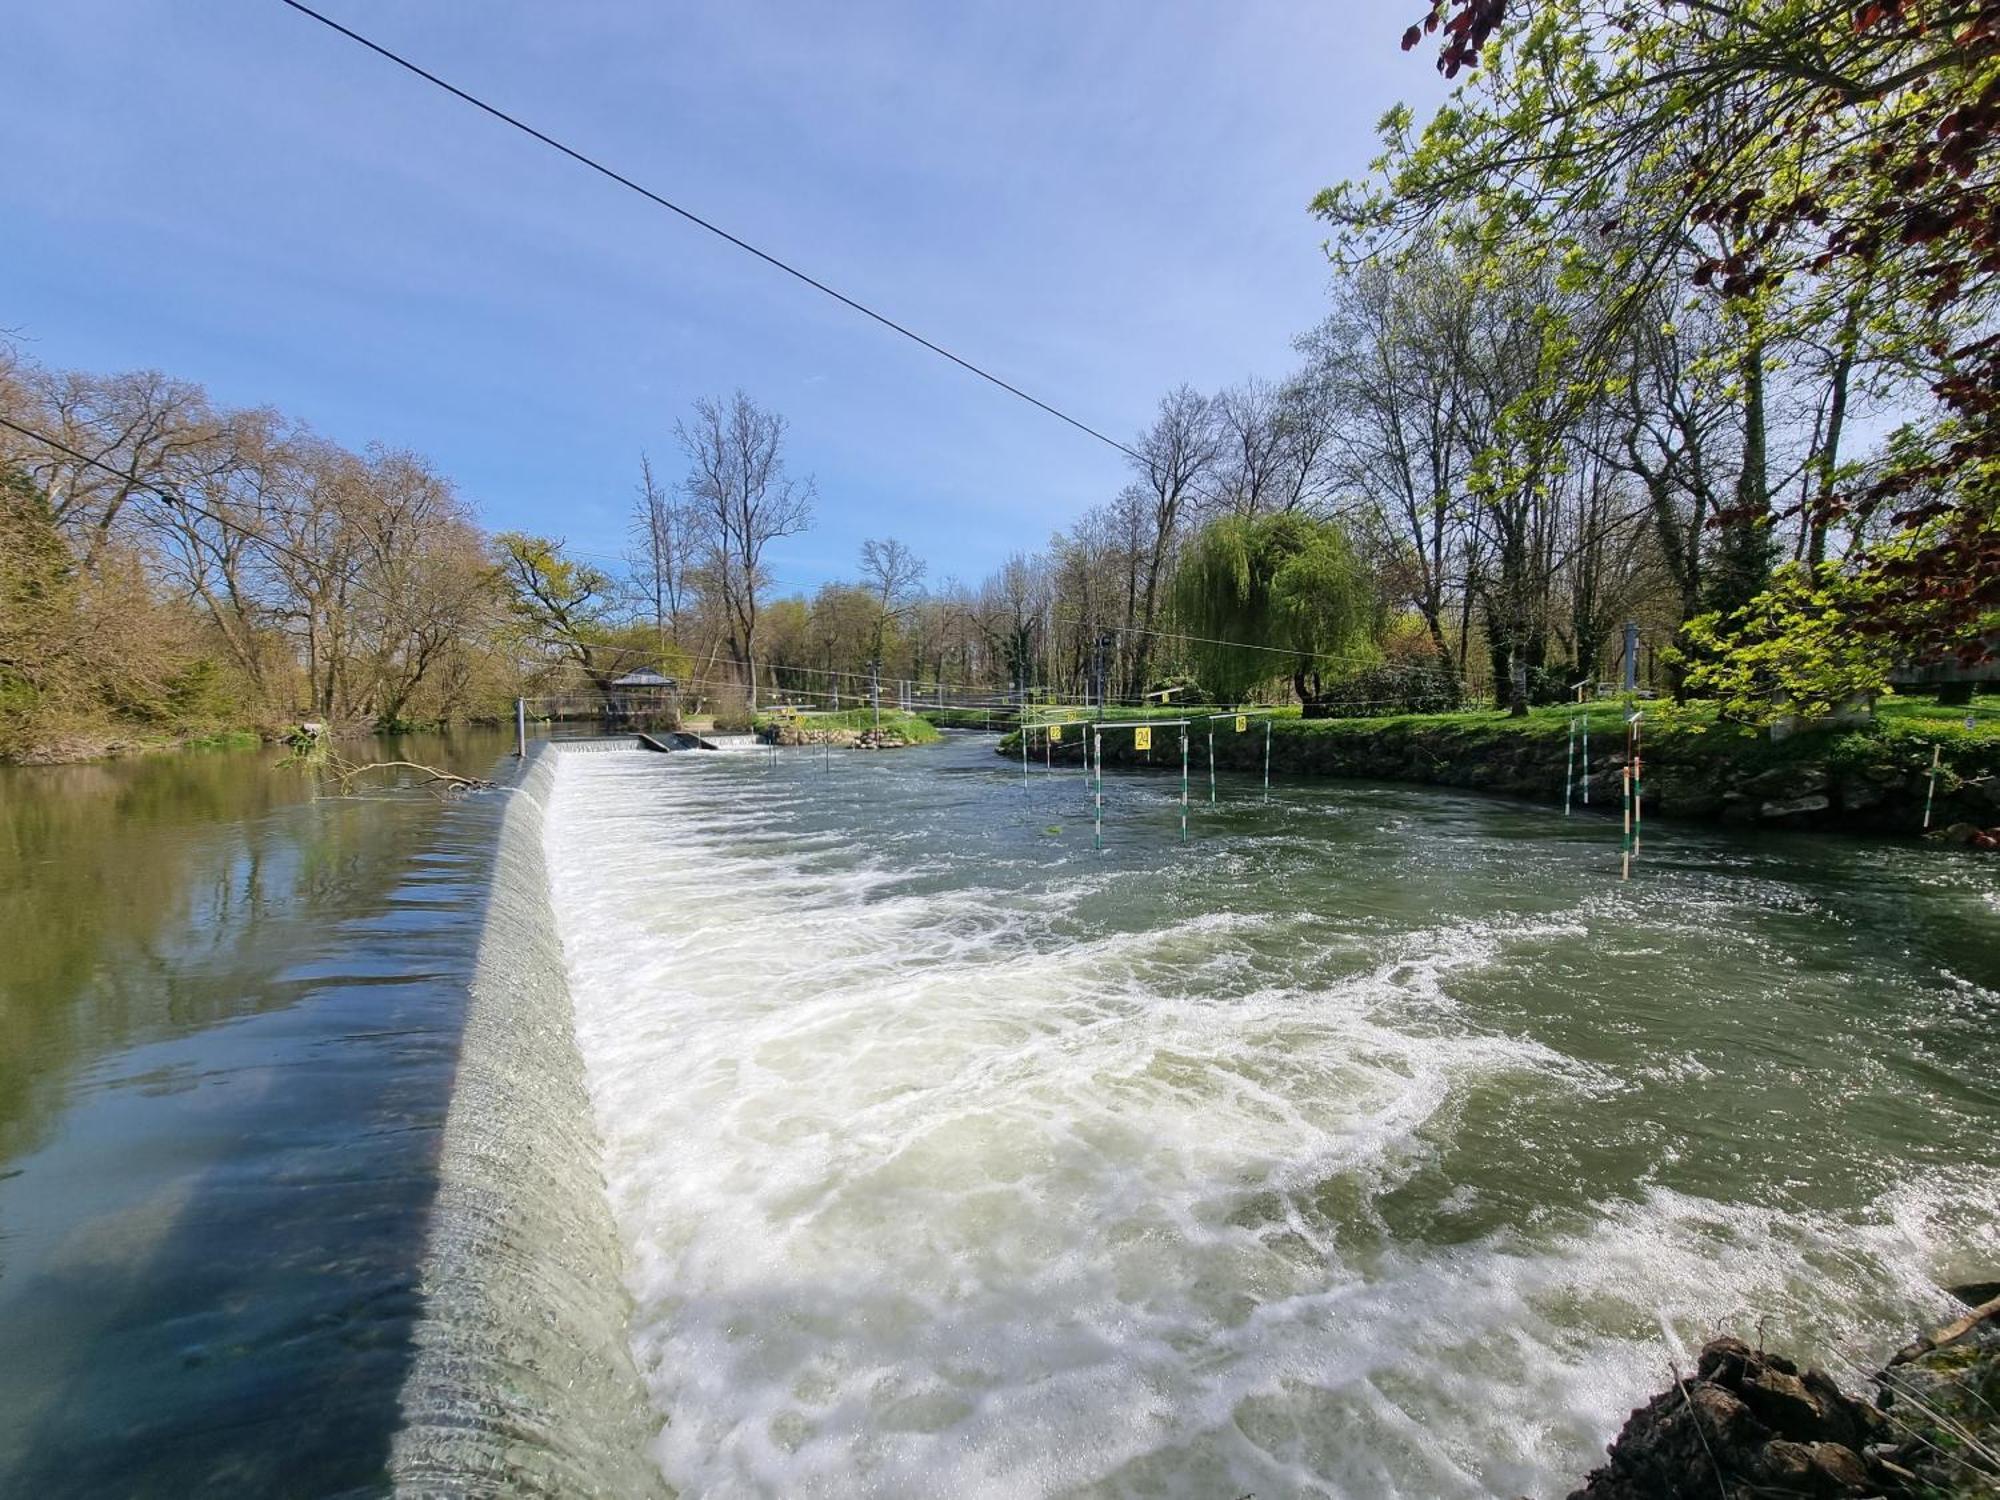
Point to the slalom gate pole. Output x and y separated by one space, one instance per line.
1586 759
1211 763
1638 781
1930 792
1097 836
1184 782
1267 760
1625 842
1569 767
521 732
1024 739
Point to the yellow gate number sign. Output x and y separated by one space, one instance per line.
1242 722
1055 734
1142 739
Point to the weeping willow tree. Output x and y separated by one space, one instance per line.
1272 598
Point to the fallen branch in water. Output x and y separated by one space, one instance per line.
444 783
312 751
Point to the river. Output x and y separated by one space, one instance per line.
231 1010
1375 1141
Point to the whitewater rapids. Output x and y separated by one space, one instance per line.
1376 1143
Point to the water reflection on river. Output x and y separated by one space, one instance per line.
231 1012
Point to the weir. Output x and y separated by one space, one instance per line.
522 1381
869 1135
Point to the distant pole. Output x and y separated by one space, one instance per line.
1586 757
1184 782
1097 754
521 736
1930 792
1569 767
1211 762
1267 759
875 692
1631 657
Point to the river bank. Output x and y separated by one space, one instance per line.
1873 777
855 729
1748 1422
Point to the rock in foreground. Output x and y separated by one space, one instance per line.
1749 1423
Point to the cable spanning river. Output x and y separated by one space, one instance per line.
1375 1142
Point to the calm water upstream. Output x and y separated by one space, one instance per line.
230 1015
1378 1142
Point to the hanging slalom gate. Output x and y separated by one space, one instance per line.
1093 753
1142 739
1632 782
1635 794
1243 725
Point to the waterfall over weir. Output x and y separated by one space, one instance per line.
849 1125
522 1381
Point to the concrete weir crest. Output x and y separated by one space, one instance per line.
522 1381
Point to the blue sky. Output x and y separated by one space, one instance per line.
1096 201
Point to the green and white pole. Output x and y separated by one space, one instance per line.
1625 842
1569 767
1638 782
1097 754
1930 792
1586 759
1184 782
1211 762
1267 760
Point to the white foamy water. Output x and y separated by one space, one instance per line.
952 1161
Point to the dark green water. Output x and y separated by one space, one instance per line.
1377 1141
230 1012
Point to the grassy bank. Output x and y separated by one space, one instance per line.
968 718
913 729
1870 776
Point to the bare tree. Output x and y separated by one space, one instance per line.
661 552
894 575
1250 443
137 432
738 486
1177 457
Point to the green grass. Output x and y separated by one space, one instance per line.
915 729
1710 754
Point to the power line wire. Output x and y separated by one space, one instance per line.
696 219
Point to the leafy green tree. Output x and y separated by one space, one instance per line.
1792 650
1272 597
562 607
1820 166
